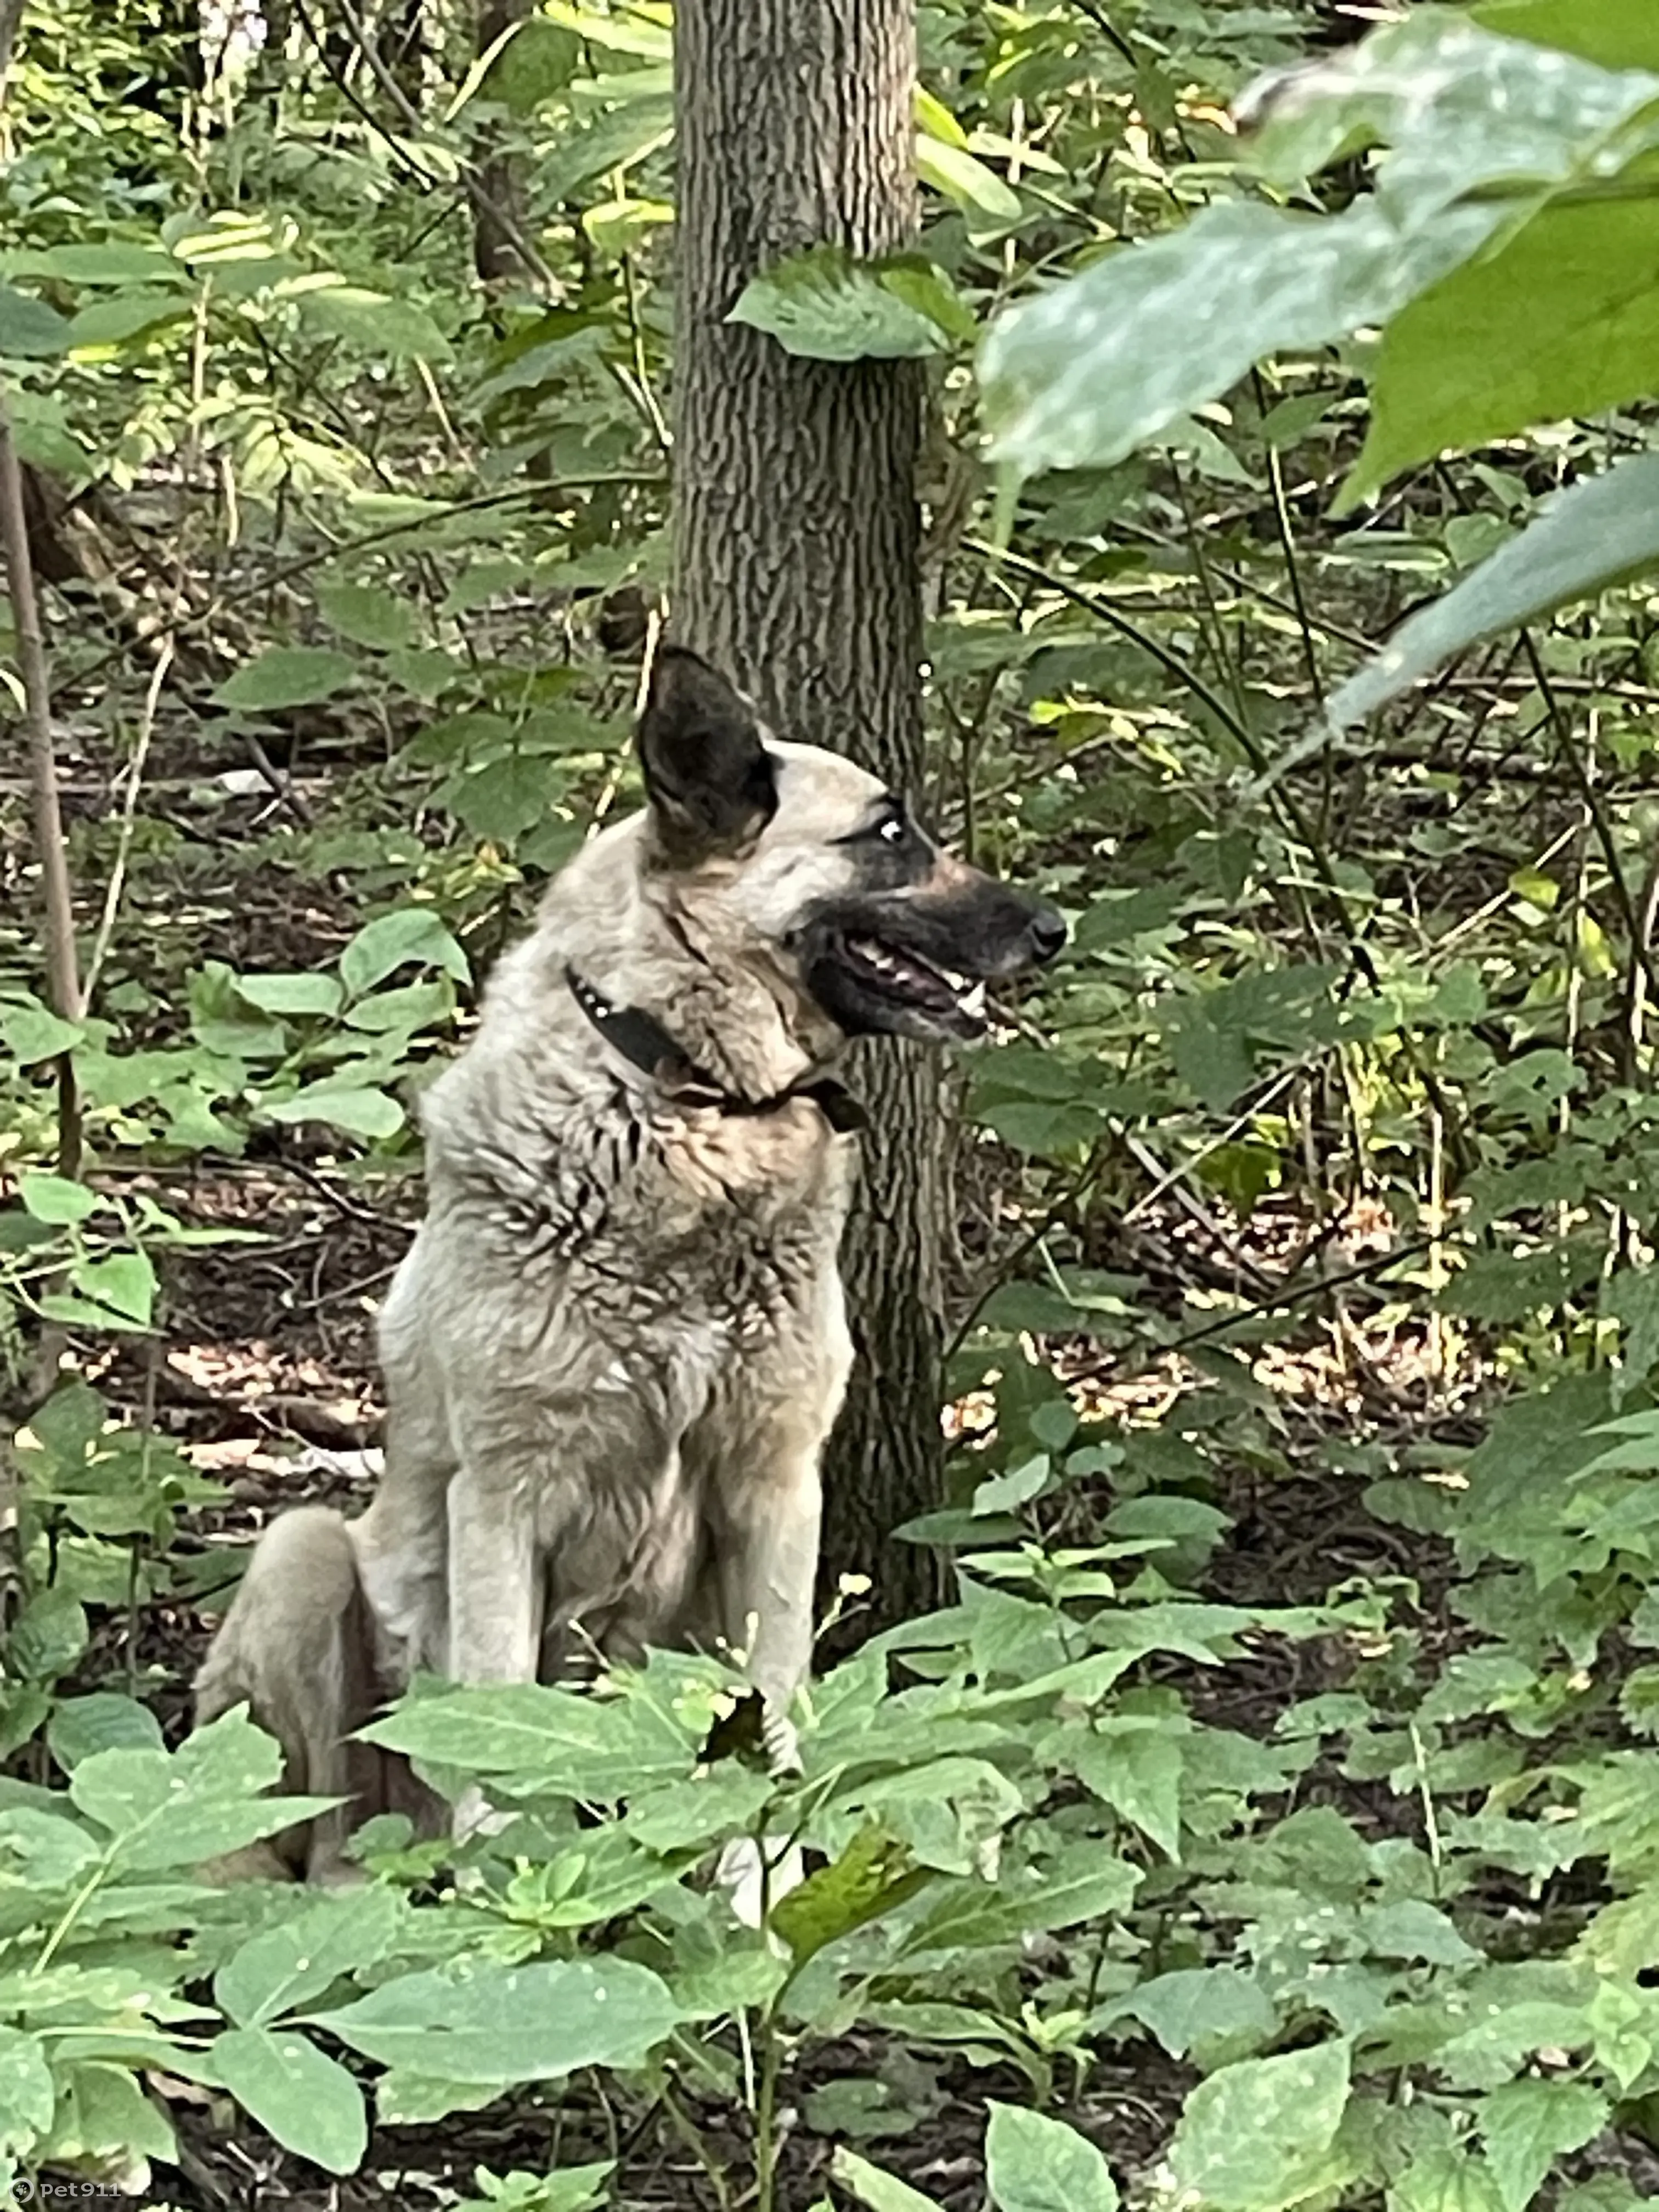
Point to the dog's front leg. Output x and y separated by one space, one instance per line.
495 1609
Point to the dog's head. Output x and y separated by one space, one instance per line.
821 869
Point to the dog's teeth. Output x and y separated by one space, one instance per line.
974 1003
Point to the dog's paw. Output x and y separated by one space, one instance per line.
755 1876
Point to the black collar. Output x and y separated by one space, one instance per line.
641 1039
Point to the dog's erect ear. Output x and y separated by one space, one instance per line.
708 773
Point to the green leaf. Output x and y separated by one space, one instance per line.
31 1033
500 799
409 935
951 170
1527 2125
112 322
282 1968
586 1746
1585 540
291 994
1554 324
55 1199
162 1809
538 60
304 2097
620 136
29 329
874 1872
881 2191
26 2094
288 676
1196 2005
48 1635
1632 1298
102 1721
1034 2164
484 2022
1083 375
358 1110
1619 34
368 614
972 1914
1256 2136
372 322
125 1282
827 306
1136 1771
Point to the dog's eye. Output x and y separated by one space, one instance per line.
893 830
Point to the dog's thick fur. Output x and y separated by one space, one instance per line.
616 1346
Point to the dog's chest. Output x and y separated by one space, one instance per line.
701 1222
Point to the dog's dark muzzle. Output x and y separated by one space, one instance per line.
917 964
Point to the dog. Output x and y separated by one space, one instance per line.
616 1346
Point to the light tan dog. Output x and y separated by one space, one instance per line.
616 1346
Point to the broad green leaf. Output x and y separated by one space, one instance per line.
1632 1297
619 137
1196 2005
170 1810
125 1282
48 1635
484 2023
583 1747
29 329
538 59
1619 34
288 676
500 799
1083 375
1254 2137
1527 2125
317 995
1552 325
874 1872
55 1198
102 1721
1585 540
878 2190
390 941
961 177
112 322
1136 1771
1445 2178
282 1968
26 2094
368 614
31 1033
360 1110
829 306
970 1914
307 2100
41 1852
1034 2164
372 322
103 2112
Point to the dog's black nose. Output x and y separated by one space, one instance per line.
1048 933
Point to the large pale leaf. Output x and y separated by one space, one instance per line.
1481 134
26 2096
828 306
1584 541
1034 2164
281 1968
409 935
484 2023
1527 2125
875 2188
29 329
586 1747
305 2099
1255 2137
167 1809
1080 376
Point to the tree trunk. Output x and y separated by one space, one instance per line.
798 546
495 255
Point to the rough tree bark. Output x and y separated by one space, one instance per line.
498 212
797 570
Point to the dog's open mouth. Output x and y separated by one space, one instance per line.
900 976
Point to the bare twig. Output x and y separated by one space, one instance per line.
63 978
